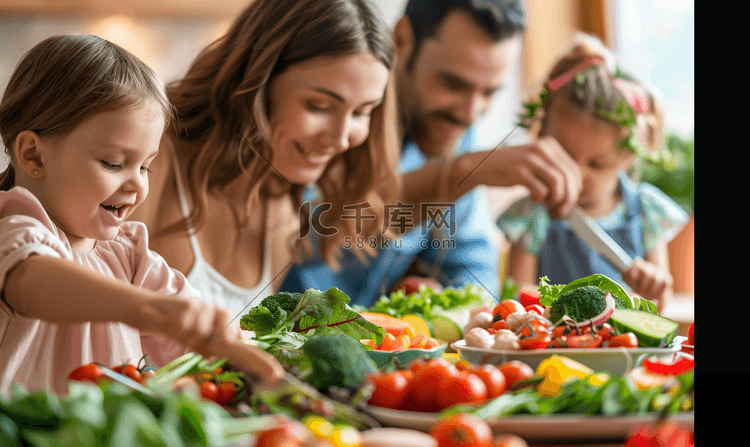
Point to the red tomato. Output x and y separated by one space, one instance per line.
514 371
560 342
584 341
492 377
430 382
538 327
664 434
209 390
117 369
91 372
286 434
390 389
640 437
559 331
464 388
690 336
507 307
226 393
528 297
132 372
462 430
539 340
509 440
626 340
416 364
535 308
606 331
500 324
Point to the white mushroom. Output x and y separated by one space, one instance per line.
505 339
479 338
481 319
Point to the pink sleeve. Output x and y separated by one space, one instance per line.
152 272
25 230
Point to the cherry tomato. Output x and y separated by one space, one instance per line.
132 372
430 382
390 389
500 324
209 390
286 434
537 326
539 340
465 387
226 393
690 337
464 365
509 440
626 340
492 377
606 331
535 308
91 372
559 331
584 341
514 371
462 430
416 364
528 297
507 307
117 369
560 342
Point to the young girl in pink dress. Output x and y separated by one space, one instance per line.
81 120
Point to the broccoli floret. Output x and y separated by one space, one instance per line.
579 304
337 360
264 317
281 300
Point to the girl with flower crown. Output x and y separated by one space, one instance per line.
607 121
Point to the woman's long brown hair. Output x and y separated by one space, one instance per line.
222 106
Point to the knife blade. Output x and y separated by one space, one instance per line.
599 241
125 380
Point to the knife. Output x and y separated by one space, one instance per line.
598 240
125 380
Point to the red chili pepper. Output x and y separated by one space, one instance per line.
679 363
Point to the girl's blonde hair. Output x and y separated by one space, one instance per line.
597 91
222 105
66 79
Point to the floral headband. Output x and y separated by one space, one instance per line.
624 114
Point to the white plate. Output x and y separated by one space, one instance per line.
615 361
556 428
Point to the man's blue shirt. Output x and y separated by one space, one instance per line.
460 252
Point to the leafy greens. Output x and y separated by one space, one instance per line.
549 293
283 334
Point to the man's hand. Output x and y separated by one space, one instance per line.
544 167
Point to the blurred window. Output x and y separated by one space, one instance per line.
655 39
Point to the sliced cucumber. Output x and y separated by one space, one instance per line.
448 326
652 331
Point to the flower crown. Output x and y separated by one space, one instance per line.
624 114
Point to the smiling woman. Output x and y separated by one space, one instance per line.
296 92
